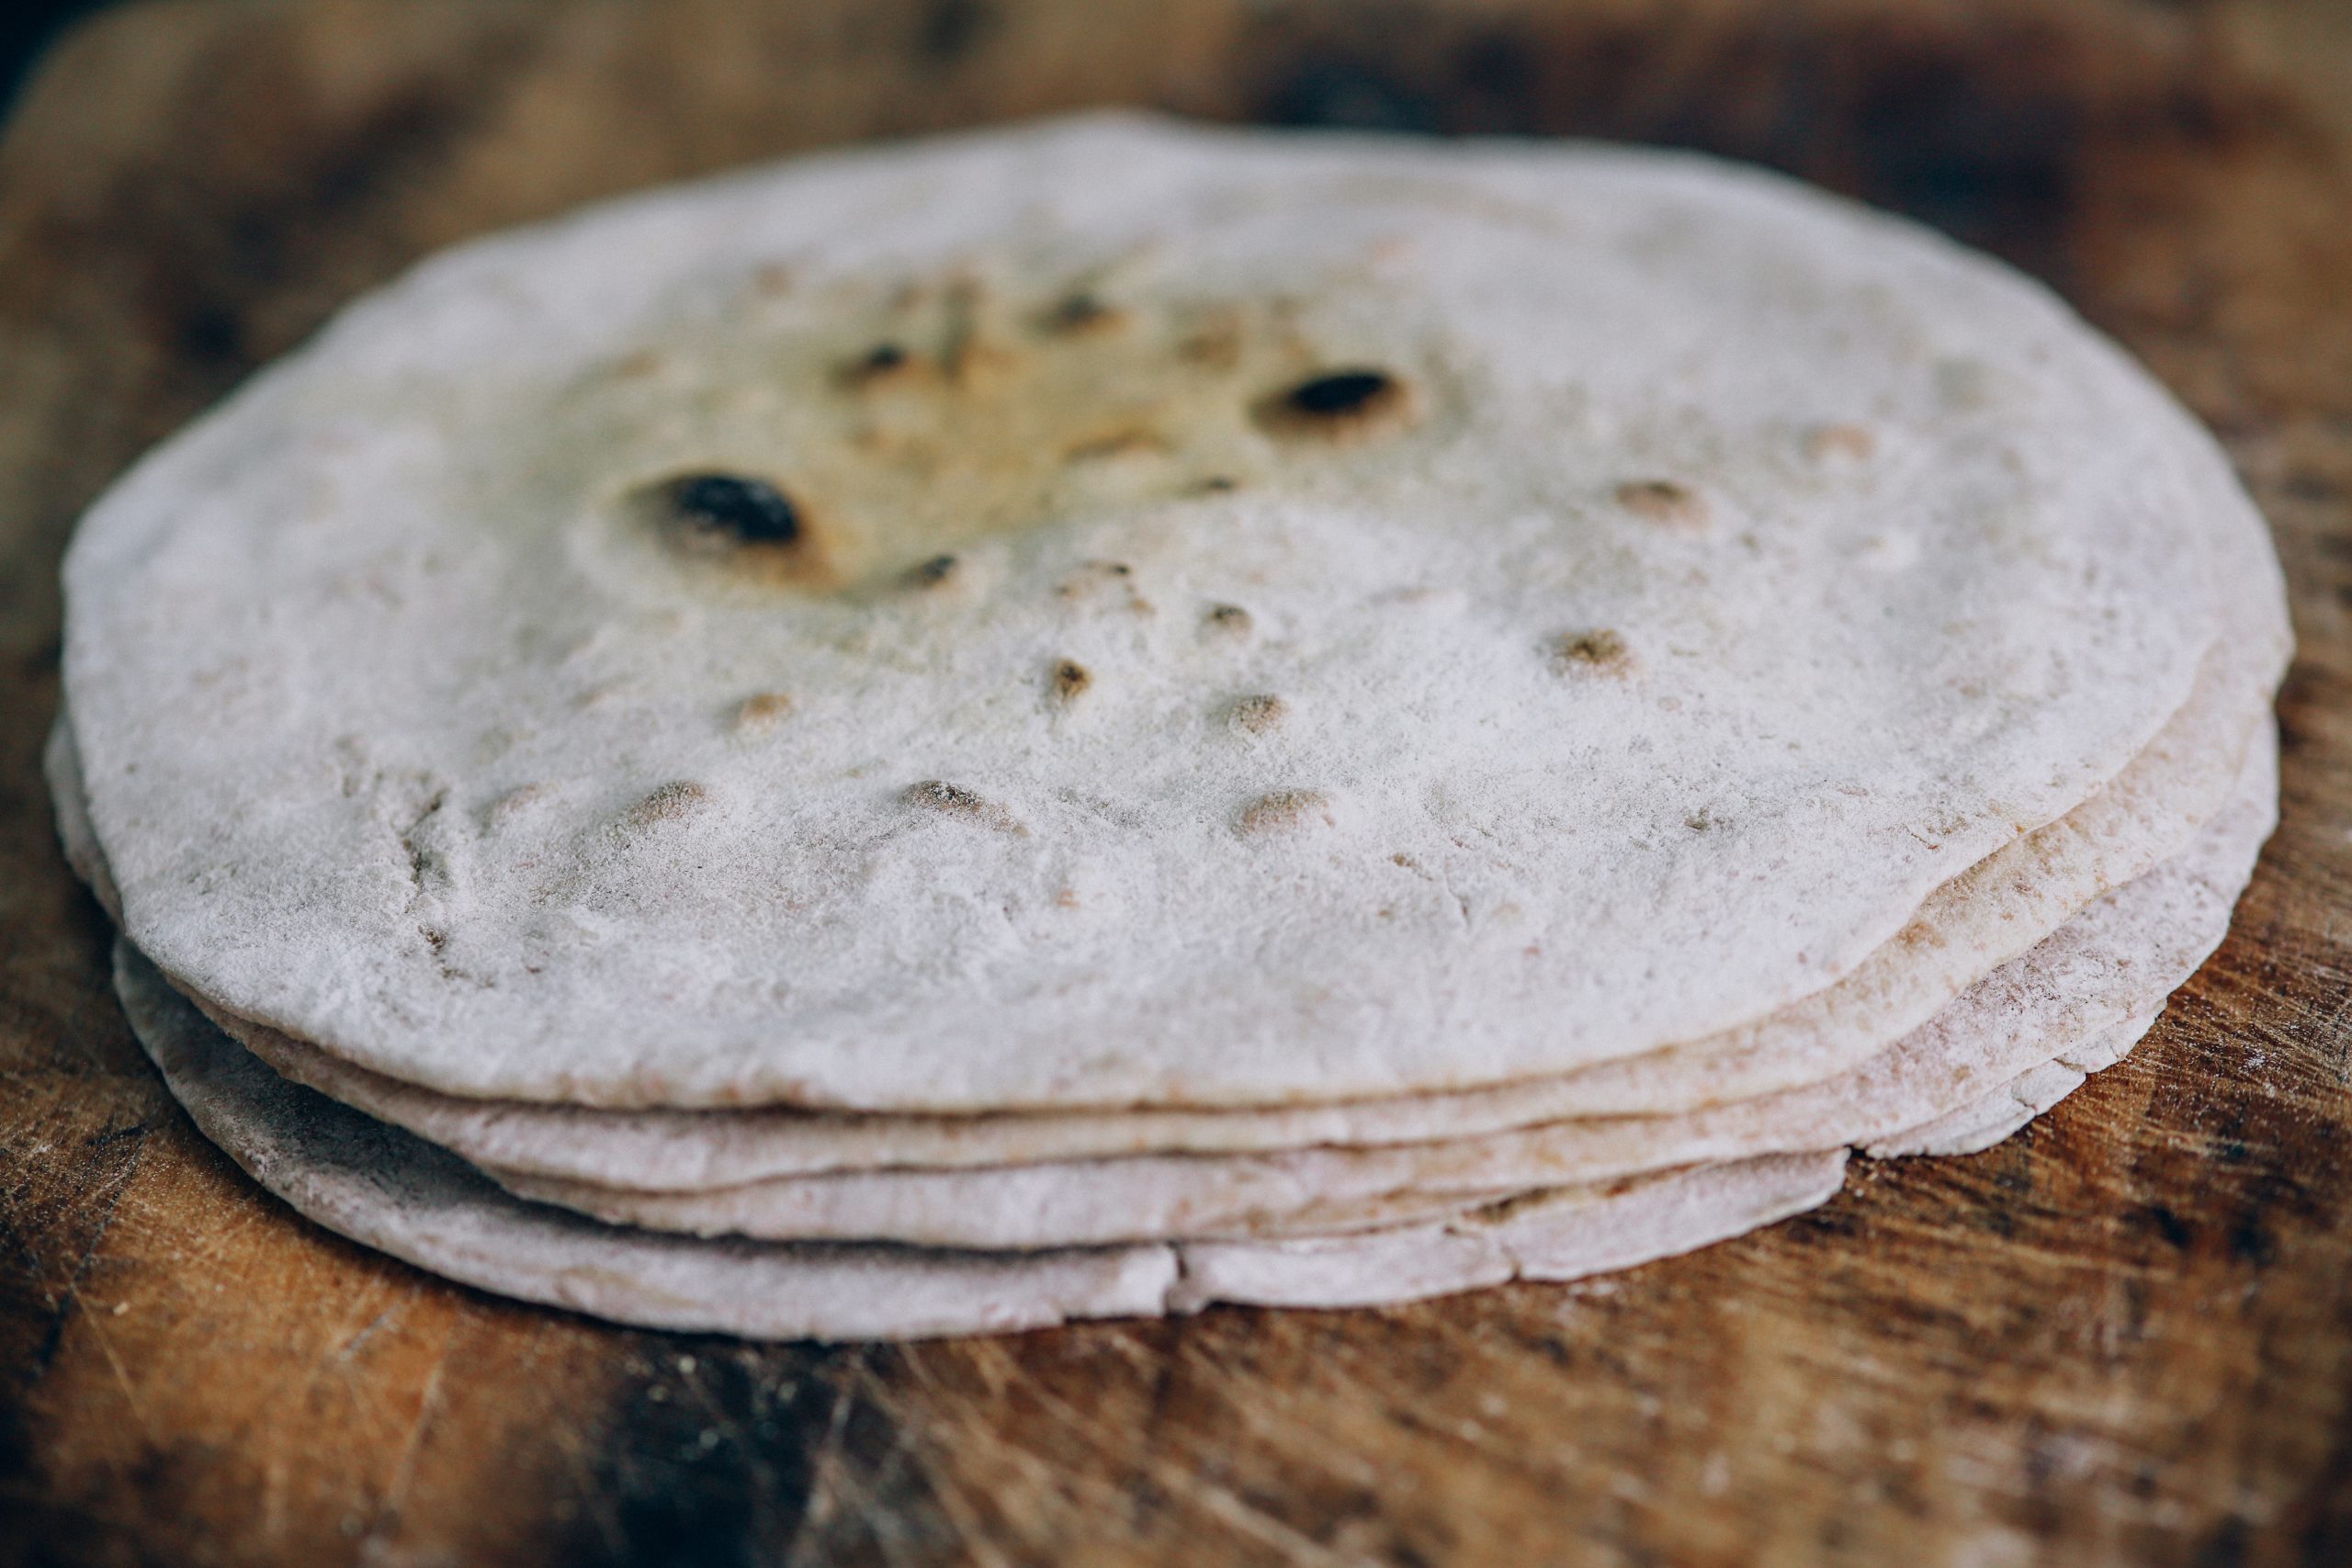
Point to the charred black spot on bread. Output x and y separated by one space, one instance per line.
1599 651
932 573
733 509
1218 483
1228 620
1079 313
739 528
1338 404
1070 678
886 361
1341 393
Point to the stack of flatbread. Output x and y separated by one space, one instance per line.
1101 718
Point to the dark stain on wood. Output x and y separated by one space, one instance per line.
951 29
1988 128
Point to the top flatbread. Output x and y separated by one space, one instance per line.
1256 620
387 1189
1991 913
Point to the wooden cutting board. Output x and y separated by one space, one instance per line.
2124 1336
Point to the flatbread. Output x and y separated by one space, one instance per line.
393 1192
1563 1236
1744 567
2113 963
1964 929
1972 1127
1985 1122
61 766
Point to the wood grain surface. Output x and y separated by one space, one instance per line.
2124 1336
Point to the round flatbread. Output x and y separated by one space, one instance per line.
1980 920
1105 614
1992 1117
2113 963
1922 1083
393 1192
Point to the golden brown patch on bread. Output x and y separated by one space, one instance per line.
1663 501
761 712
1287 811
954 800
1257 714
1599 651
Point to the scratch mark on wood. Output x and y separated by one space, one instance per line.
54 1334
404 1467
92 1323
824 1475
352 1346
